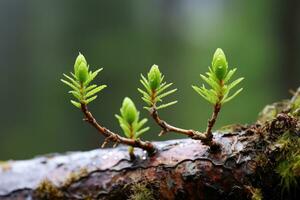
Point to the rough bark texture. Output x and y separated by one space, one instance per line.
180 169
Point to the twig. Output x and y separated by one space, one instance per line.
211 123
113 137
169 128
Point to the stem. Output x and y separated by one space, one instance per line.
131 152
113 137
169 128
211 123
131 148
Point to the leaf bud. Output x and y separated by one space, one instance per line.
83 73
128 110
80 59
219 64
154 77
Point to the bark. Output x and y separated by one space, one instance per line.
180 169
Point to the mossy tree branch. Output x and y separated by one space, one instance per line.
255 161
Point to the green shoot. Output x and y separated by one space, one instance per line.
85 93
79 82
155 89
130 123
217 78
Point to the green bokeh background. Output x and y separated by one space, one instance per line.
39 40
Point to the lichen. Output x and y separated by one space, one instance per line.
75 176
48 191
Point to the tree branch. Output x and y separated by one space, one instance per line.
113 137
181 169
169 128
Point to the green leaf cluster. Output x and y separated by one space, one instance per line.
129 120
217 78
155 89
80 80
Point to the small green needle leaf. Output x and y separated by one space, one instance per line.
164 87
75 83
204 93
90 87
76 94
145 84
69 84
232 96
96 90
92 76
90 99
147 108
146 95
211 82
140 132
149 102
166 105
234 83
229 75
76 104
166 93
141 123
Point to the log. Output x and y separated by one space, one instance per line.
244 167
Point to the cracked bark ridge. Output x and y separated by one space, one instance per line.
180 169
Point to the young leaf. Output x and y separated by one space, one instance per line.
69 84
140 132
166 105
90 99
76 104
232 96
96 90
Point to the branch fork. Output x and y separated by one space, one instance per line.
114 137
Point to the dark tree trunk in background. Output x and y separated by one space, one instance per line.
288 23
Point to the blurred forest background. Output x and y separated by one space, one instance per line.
39 40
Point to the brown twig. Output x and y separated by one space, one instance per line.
113 137
169 128
211 123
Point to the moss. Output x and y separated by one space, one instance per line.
256 195
262 160
141 192
288 166
75 176
295 103
47 190
269 112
